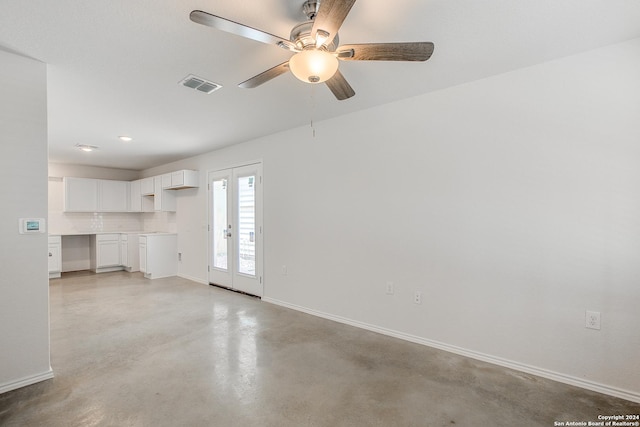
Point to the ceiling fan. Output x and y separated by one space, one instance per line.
316 46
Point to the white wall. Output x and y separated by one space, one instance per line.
60 170
511 203
24 286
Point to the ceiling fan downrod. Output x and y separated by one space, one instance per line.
310 8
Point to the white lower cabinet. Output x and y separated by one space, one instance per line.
124 250
158 255
142 247
129 252
100 253
55 256
104 251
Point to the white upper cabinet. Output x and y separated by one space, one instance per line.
147 187
113 196
139 202
180 179
95 195
164 201
80 194
157 199
166 180
135 196
143 195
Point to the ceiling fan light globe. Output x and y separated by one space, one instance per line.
313 66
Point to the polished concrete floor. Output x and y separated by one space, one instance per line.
169 352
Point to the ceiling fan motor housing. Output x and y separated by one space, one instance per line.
301 37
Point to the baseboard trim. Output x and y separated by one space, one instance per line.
23 382
533 370
193 279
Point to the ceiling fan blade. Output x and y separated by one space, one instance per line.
340 87
232 27
330 16
413 51
265 76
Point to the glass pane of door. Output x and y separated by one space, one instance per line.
220 223
247 225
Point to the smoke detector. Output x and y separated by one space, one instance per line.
200 84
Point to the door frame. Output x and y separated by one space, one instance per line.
259 223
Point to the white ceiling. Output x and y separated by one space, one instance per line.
114 66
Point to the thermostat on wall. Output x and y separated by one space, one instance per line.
32 225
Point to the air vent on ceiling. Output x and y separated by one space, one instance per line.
200 84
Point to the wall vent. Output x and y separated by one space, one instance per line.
200 84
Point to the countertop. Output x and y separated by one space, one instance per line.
92 233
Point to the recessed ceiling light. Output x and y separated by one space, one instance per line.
125 138
85 147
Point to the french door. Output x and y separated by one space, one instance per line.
235 228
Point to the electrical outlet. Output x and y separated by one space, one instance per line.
592 319
179 256
390 288
284 270
417 297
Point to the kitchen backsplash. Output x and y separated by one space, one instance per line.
78 222
160 221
